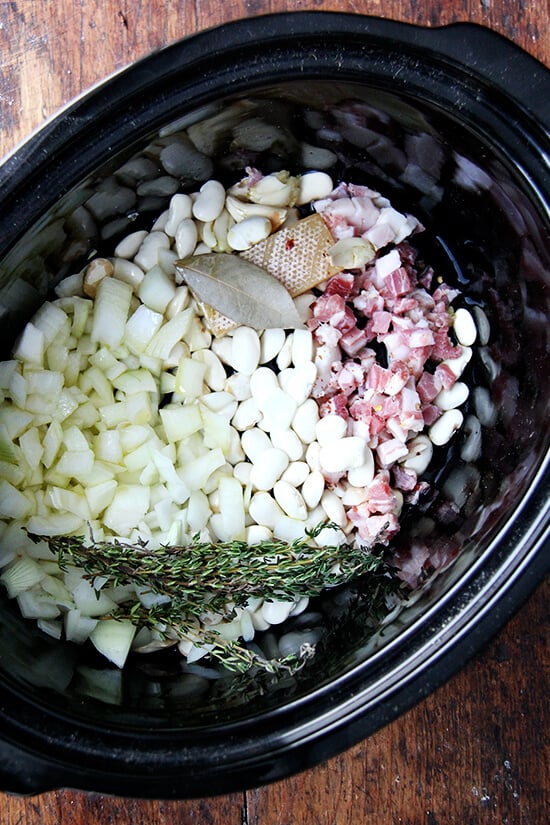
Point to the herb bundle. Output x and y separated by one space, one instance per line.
204 576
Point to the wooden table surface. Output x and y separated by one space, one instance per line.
477 750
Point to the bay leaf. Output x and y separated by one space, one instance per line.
240 290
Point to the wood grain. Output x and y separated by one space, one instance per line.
476 752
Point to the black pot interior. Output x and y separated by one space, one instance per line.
448 153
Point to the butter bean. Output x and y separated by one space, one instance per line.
262 383
300 381
289 529
209 202
271 342
248 232
287 440
245 354
180 208
242 471
271 465
312 455
290 500
453 397
363 475
419 455
313 488
264 509
464 327
256 533
313 186
255 444
305 421
333 508
239 386
246 415
186 237
330 427
276 612
445 427
284 358
128 246
302 347
343 454
296 473
458 365
279 409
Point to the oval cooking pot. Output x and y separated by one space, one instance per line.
452 124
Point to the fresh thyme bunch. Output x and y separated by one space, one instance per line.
215 577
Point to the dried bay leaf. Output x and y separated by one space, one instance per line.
240 290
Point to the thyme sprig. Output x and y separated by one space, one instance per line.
215 577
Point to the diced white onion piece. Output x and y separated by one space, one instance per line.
21 575
111 308
129 505
113 639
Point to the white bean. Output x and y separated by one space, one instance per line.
302 347
209 203
287 440
333 508
276 612
128 246
458 365
313 488
186 237
296 473
248 232
363 475
290 500
256 533
262 383
235 453
269 468
453 397
241 471
264 509
314 186
245 355
147 255
178 302
464 327
239 386
343 454
305 421
284 358
279 409
128 271
180 209
330 427
289 529
271 342
445 427
246 415
312 455
300 381
350 495
419 455
255 444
